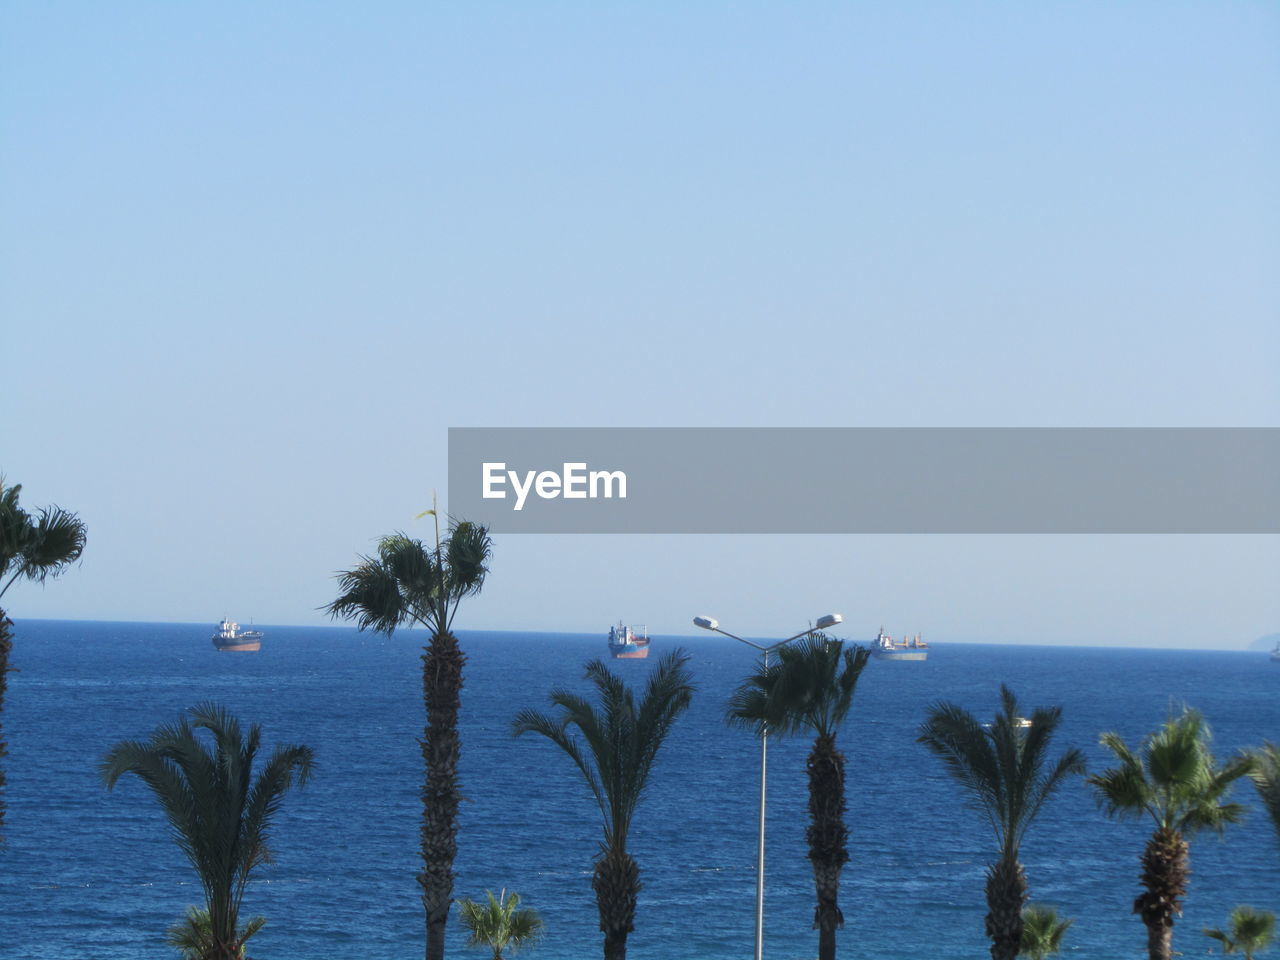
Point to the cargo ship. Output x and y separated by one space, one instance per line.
626 644
231 639
886 648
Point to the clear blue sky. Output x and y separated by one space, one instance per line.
255 260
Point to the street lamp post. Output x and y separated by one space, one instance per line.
706 623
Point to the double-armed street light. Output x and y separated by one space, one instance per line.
706 623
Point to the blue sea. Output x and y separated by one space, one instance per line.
89 874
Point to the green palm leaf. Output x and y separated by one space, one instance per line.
1250 931
1042 931
1266 778
499 923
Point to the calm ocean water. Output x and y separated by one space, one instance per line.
87 874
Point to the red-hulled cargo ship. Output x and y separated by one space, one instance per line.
626 644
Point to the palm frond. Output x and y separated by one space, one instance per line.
1266 779
56 540
410 581
38 547
1173 777
467 552
622 739
531 721
752 705
809 687
499 923
371 597
957 738
1043 931
1250 931
1002 765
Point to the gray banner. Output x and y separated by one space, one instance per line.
866 480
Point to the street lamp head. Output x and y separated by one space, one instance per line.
830 620
706 623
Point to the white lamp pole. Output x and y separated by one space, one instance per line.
706 623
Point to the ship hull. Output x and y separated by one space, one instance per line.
900 654
247 646
633 653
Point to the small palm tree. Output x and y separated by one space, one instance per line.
31 548
220 813
500 923
1003 766
1251 931
193 937
408 582
619 742
811 688
1042 931
1266 778
1174 780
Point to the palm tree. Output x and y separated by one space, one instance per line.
1251 931
1172 779
1003 766
621 742
500 923
220 813
193 937
31 548
1266 778
811 687
408 583
1042 931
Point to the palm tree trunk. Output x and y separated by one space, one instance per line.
222 929
1166 867
441 683
6 644
616 881
1006 893
827 836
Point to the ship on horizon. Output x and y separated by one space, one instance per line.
884 647
626 644
231 639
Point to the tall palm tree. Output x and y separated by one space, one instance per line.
810 687
1251 931
1042 931
220 813
1266 778
1004 766
619 741
408 582
500 923
1174 780
31 548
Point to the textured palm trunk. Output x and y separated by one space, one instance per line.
6 644
616 881
222 930
1166 867
441 683
1006 894
828 837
